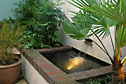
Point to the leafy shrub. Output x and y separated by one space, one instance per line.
42 18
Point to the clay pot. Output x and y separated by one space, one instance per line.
9 74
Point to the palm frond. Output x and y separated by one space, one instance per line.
73 29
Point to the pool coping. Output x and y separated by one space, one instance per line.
54 75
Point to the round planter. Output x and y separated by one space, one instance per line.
9 74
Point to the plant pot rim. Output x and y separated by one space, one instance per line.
11 65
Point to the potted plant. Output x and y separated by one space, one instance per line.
10 37
96 17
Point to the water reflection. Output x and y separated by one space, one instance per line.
71 61
74 62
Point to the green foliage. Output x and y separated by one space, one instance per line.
10 38
74 29
91 21
98 80
42 18
116 11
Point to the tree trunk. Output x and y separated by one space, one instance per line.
118 75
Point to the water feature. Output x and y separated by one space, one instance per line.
73 61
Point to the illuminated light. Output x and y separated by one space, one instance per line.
73 62
70 67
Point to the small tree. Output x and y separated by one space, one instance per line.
96 17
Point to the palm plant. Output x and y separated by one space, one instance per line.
96 17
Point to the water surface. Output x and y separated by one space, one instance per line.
71 61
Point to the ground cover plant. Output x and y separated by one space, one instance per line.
103 79
42 19
97 17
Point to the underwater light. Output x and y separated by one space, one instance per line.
73 62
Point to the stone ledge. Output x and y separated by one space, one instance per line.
54 49
91 73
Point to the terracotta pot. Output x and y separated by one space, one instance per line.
9 74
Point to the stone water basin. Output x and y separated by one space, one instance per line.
73 60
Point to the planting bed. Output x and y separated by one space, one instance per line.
102 79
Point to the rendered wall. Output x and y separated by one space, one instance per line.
6 8
30 73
